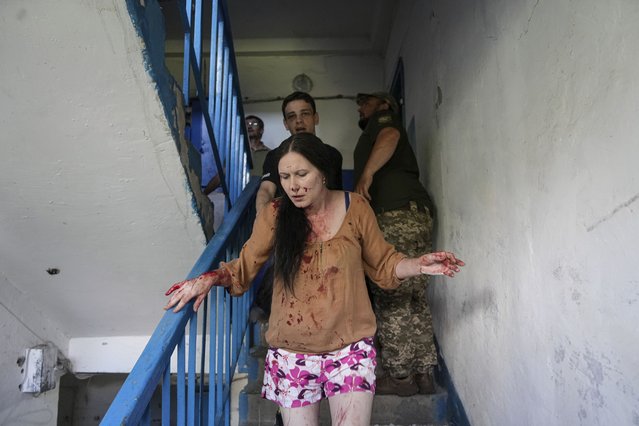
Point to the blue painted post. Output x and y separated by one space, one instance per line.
201 389
166 396
191 370
197 38
181 397
186 69
219 368
219 76
212 355
212 64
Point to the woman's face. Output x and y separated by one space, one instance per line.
301 180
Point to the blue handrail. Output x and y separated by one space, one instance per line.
152 368
222 320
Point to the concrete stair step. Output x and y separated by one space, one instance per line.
388 410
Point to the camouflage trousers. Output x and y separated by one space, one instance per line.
404 323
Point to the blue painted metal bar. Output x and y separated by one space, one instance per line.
219 72
201 389
195 67
197 37
166 396
219 348
234 154
227 353
213 63
181 392
238 153
212 354
190 417
186 81
224 105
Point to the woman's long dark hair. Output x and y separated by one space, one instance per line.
292 227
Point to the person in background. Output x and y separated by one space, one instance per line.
324 241
300 115
386 174
255 129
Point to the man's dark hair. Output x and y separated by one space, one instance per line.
298 96
292 227
256 118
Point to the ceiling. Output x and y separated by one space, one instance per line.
333 25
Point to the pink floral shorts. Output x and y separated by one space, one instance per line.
296 380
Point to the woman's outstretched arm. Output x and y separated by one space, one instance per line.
437 263
183 292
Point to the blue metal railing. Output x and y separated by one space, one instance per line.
221 105
203 378
226 322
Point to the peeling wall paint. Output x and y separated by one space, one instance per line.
148 21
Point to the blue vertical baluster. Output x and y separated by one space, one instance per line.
219 368
191 369
223 126
213 62
166 395
201 389
186 69
181 397
234 151
218 75
197 38
212 356
213 78
197 48
219 79
227 350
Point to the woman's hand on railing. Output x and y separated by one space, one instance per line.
198 288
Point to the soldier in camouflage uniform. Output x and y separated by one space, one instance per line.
386 173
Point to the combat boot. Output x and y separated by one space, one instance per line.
388 385
425 382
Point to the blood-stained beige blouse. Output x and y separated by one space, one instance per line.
330 307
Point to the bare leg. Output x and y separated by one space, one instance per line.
351 409
302 416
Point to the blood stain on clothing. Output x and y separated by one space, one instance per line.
331 271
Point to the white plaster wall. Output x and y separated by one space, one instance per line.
90 177
531 157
